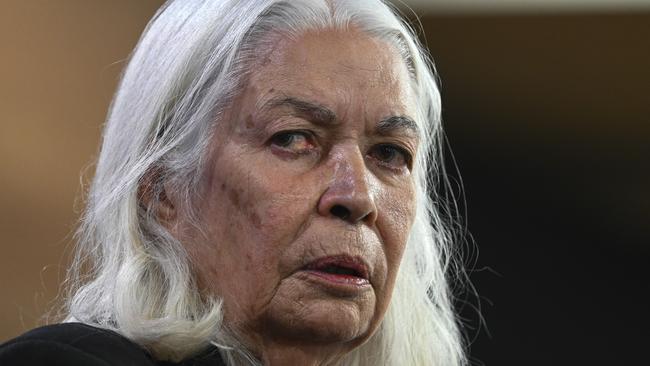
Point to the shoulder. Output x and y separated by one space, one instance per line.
72 344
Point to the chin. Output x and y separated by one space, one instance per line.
324 321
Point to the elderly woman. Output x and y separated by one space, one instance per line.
262 197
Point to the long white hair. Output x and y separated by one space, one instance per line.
131 276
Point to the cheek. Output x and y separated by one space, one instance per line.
250 218
235 259
399 213
238 224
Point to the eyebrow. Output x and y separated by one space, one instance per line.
322 115
394 123
317 113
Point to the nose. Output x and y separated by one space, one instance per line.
349 195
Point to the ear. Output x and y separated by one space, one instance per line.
154 196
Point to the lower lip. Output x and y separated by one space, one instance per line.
339 279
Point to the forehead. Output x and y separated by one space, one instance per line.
347 71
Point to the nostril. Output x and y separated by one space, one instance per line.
341 212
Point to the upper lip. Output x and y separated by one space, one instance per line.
356 264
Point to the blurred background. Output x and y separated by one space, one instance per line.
546 107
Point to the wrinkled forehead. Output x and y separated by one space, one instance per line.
339 68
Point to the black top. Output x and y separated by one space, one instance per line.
71 344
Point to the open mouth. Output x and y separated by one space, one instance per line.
340 269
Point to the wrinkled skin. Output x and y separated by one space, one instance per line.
275 173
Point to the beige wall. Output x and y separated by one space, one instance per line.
59 63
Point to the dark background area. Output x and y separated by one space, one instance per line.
546 114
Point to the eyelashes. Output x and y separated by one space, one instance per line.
296 143
391 155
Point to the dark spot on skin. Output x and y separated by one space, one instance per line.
249 122
271 90
255 219
233 194
249 260
234 197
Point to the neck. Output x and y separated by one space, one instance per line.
272 351
300 354
272 346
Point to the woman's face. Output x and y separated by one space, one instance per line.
308 197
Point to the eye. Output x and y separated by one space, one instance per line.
391 156
299 142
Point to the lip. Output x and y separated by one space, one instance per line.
315 271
